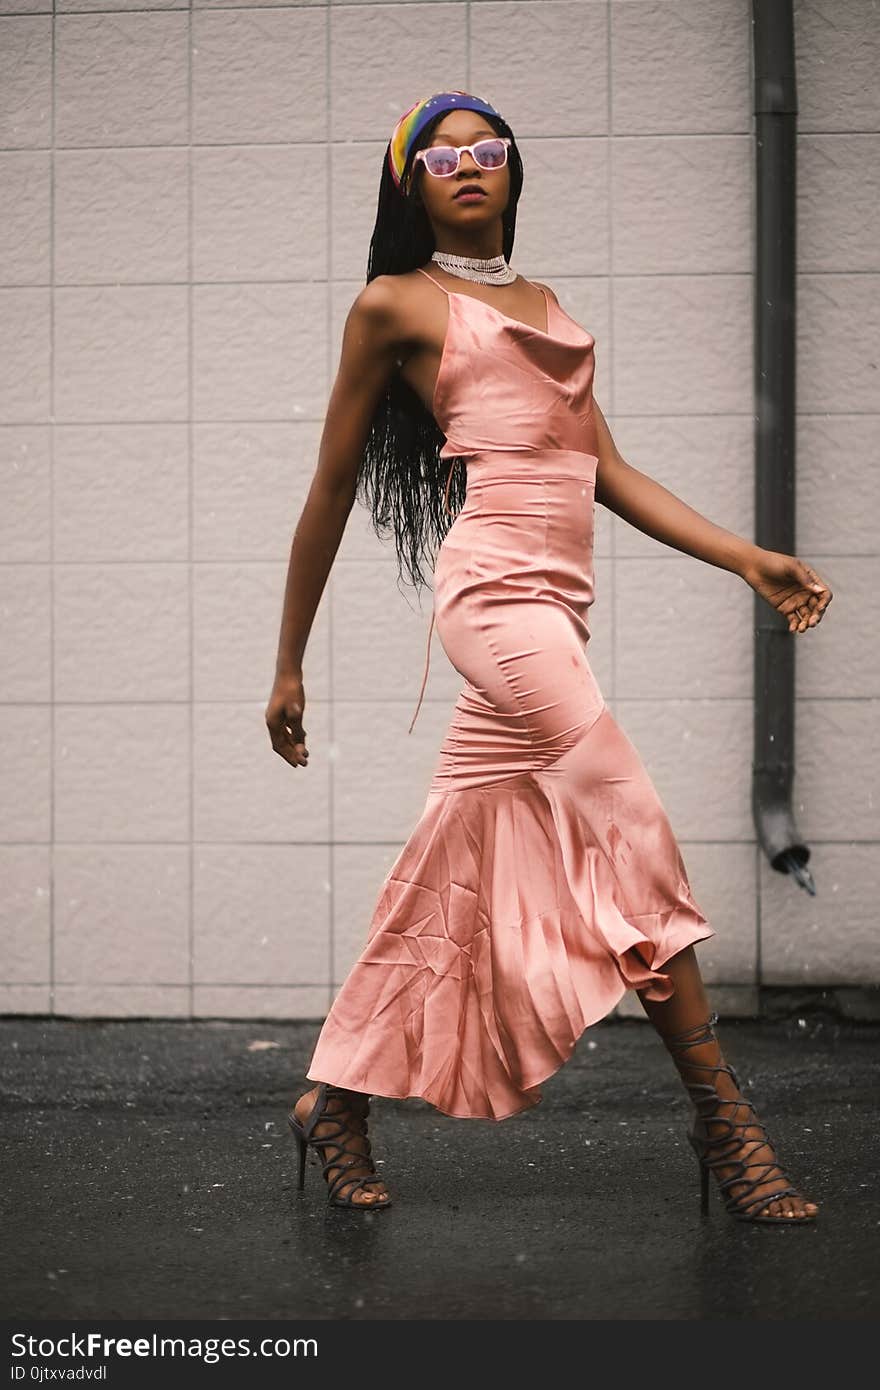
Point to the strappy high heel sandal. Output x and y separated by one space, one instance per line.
729 1150
334 1152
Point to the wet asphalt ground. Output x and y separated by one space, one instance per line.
148 1172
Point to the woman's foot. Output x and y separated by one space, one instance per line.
351 1109
733 1129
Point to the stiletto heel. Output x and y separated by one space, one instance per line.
334 1152
730 1151
302 1146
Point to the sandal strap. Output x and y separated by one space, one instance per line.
693 1036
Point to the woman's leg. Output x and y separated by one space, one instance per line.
686 1009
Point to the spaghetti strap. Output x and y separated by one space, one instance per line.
431 628
431 278
425 675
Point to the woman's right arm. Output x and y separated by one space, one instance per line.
370 344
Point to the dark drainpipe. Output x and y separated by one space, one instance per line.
775 146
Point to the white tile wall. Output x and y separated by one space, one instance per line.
171 307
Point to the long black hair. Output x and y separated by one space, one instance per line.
401 479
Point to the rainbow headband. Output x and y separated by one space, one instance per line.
415 119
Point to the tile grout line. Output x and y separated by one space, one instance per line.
190 373
609 205
331 595
52 576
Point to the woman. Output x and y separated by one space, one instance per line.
543 878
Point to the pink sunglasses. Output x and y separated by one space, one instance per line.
443 160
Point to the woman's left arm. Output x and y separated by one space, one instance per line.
787 583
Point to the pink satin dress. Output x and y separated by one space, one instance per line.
543 878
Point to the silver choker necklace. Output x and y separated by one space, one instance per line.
484 270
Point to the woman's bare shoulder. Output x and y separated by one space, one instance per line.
390 303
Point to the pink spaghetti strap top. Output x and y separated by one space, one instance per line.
447 509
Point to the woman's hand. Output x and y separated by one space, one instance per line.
284 719
789 586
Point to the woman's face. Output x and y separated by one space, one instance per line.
439 194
